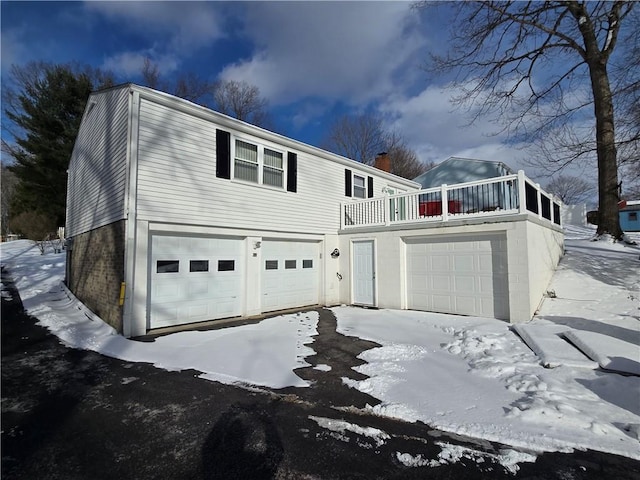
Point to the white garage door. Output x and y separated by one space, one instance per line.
195 279
460 275
290 274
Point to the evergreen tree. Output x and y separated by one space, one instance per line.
45 111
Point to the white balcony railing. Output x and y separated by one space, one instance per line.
500 196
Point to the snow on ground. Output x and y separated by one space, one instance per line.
453 453
272 348
466 375
340 426
475 377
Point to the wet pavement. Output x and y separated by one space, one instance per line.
74 414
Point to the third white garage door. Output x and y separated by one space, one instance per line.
290 274
464 275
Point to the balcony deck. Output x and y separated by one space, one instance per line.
502 197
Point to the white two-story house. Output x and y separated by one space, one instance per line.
177 214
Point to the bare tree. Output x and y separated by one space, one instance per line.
571 190
187 85
151 75
405 162
241 100
362 137
528 63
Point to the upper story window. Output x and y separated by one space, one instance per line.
246 161
359 187
258 164
273 169
251 162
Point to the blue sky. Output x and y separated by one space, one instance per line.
311 60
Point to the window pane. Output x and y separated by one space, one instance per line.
167 266
226 265
272 158
271 265
246 151
199 266
246 171
359 190
289 264
307 263
272 177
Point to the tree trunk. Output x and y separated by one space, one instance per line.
608 187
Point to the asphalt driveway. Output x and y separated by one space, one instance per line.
74 414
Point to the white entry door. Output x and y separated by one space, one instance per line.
194 279
364 274
290 274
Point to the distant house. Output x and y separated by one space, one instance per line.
461 170
177 214
477 197
629 213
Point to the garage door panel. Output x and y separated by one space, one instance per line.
442 303
440 264
464 263
465 303
465 276
464 284
437 283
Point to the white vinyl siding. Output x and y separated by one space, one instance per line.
177 180
98 164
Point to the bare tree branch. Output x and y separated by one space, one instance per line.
526 63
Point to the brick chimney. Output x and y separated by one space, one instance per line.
383 162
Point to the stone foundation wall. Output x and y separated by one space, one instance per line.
95 270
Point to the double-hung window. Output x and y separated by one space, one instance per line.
246 161
258 164
273 168
359 187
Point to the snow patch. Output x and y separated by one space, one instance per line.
379 437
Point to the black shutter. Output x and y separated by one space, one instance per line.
347 182
369 187
223 154
292 172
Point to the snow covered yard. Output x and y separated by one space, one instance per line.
465 375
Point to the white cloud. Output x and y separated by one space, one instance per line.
185 24
436 129
349 51
173 29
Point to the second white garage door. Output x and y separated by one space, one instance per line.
290 274
464 275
